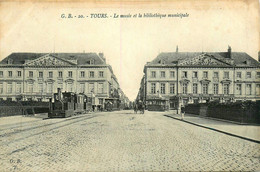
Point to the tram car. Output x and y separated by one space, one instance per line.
67 104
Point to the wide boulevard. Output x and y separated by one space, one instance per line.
120 141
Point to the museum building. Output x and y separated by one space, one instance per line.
36 76
177 78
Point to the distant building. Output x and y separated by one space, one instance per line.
178 78
36 76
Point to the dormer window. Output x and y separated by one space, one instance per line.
92 61
247 62
10 61
163 62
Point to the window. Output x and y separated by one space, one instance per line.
70 74
60 85
172 74
101 74
18 87
184 74
100 101
91 74
100 88
195 88
205 74
69 87
50 74
92 61
50 87
215 88
162 74
91 88
153 88
194 74
82 74
82 87
215 74
162 88
239 75
258 74
248 89
30 87
19 74
226 89
184 88
257 89
30 74
41 87
40 74
1 88
172 88
205 88
60 74
248 75
9 88
239 89
10 73
153 74
226 75
1 74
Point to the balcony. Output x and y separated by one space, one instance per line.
226 95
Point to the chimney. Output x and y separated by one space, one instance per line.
229 52
102 56
177 49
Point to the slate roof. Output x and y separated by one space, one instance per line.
82 58
172 58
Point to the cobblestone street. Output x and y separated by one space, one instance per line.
122 141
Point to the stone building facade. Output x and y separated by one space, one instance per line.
179 78
36 76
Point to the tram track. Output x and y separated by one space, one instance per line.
51 129
17 130
16 125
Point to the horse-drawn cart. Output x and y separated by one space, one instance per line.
139 106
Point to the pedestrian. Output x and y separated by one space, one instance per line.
93 108
182 112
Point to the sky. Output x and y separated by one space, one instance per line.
129 43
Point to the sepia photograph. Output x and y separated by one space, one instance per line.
129 85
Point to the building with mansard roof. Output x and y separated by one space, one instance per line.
177 78
36 76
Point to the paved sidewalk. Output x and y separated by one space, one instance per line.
249 132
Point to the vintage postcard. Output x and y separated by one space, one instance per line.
130 85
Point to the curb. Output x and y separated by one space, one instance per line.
220 131
233 122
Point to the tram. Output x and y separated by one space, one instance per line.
67 104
